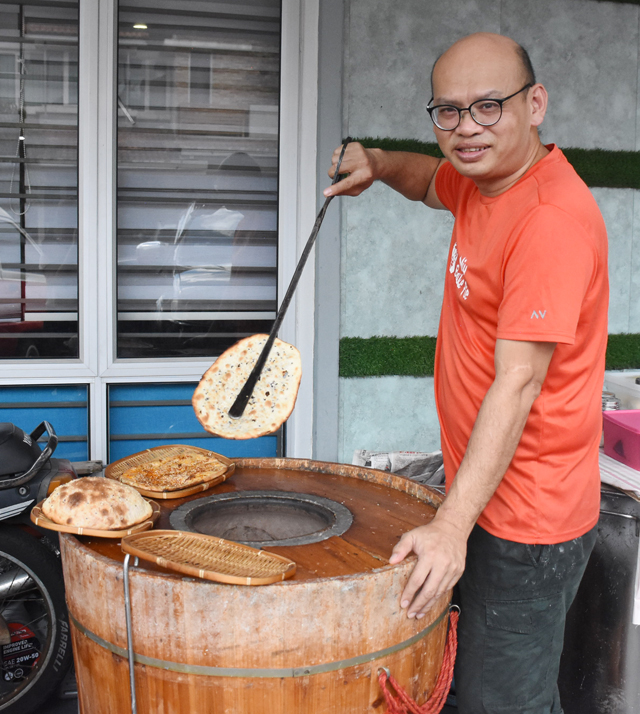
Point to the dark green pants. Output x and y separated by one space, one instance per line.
514 599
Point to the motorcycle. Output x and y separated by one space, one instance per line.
35 645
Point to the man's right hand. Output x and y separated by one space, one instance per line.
410 174
360 165
441 547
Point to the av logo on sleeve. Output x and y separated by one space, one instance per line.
538 314
458 266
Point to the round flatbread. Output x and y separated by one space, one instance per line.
272 400
96 502
174 473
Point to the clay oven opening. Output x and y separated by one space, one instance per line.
260 518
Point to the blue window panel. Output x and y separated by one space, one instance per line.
72 450
51 393
151 392
136 411
66 422
63 406
264 447
153 420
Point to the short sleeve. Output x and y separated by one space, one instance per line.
547 270
448 183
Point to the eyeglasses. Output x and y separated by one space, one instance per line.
485 112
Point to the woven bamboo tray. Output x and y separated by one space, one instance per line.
38 517
210 558
117 468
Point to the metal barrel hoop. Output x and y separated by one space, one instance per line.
127 611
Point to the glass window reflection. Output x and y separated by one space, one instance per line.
198 97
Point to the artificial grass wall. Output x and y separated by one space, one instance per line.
598 168
623 352
378 356
414 356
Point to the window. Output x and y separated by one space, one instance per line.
198 96
65 407
157 212
38 180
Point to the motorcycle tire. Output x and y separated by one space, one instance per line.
32 604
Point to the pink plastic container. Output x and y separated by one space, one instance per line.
622 436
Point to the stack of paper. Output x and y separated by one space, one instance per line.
617 474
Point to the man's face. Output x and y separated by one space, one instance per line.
487 154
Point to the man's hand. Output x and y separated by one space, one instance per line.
409 174
360 165
441 548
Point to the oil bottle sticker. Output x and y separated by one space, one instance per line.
21 654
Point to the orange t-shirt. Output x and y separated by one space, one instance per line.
530 264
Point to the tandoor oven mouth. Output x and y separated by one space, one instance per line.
264 518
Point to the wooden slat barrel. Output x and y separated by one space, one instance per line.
312 644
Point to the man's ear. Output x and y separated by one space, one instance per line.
538 100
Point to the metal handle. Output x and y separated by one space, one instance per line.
624 515
127 611
49 448
240 404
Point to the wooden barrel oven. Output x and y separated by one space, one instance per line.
312 644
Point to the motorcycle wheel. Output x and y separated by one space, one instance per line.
33 607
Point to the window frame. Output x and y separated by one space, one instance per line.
97 365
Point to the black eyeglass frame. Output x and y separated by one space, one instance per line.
498 101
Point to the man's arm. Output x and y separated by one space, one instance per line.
441 545
412 175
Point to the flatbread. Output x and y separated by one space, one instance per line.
272 400
174 472
96 502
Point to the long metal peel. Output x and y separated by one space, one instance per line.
240 404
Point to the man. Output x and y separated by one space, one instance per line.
519 371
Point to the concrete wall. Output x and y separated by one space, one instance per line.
393 252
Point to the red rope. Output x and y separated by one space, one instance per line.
402 703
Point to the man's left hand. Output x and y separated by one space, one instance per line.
441 548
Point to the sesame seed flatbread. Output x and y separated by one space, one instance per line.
96 502
272 400
174 473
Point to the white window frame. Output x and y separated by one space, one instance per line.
98 365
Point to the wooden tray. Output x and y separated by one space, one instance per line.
38 517
114 470
210 558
